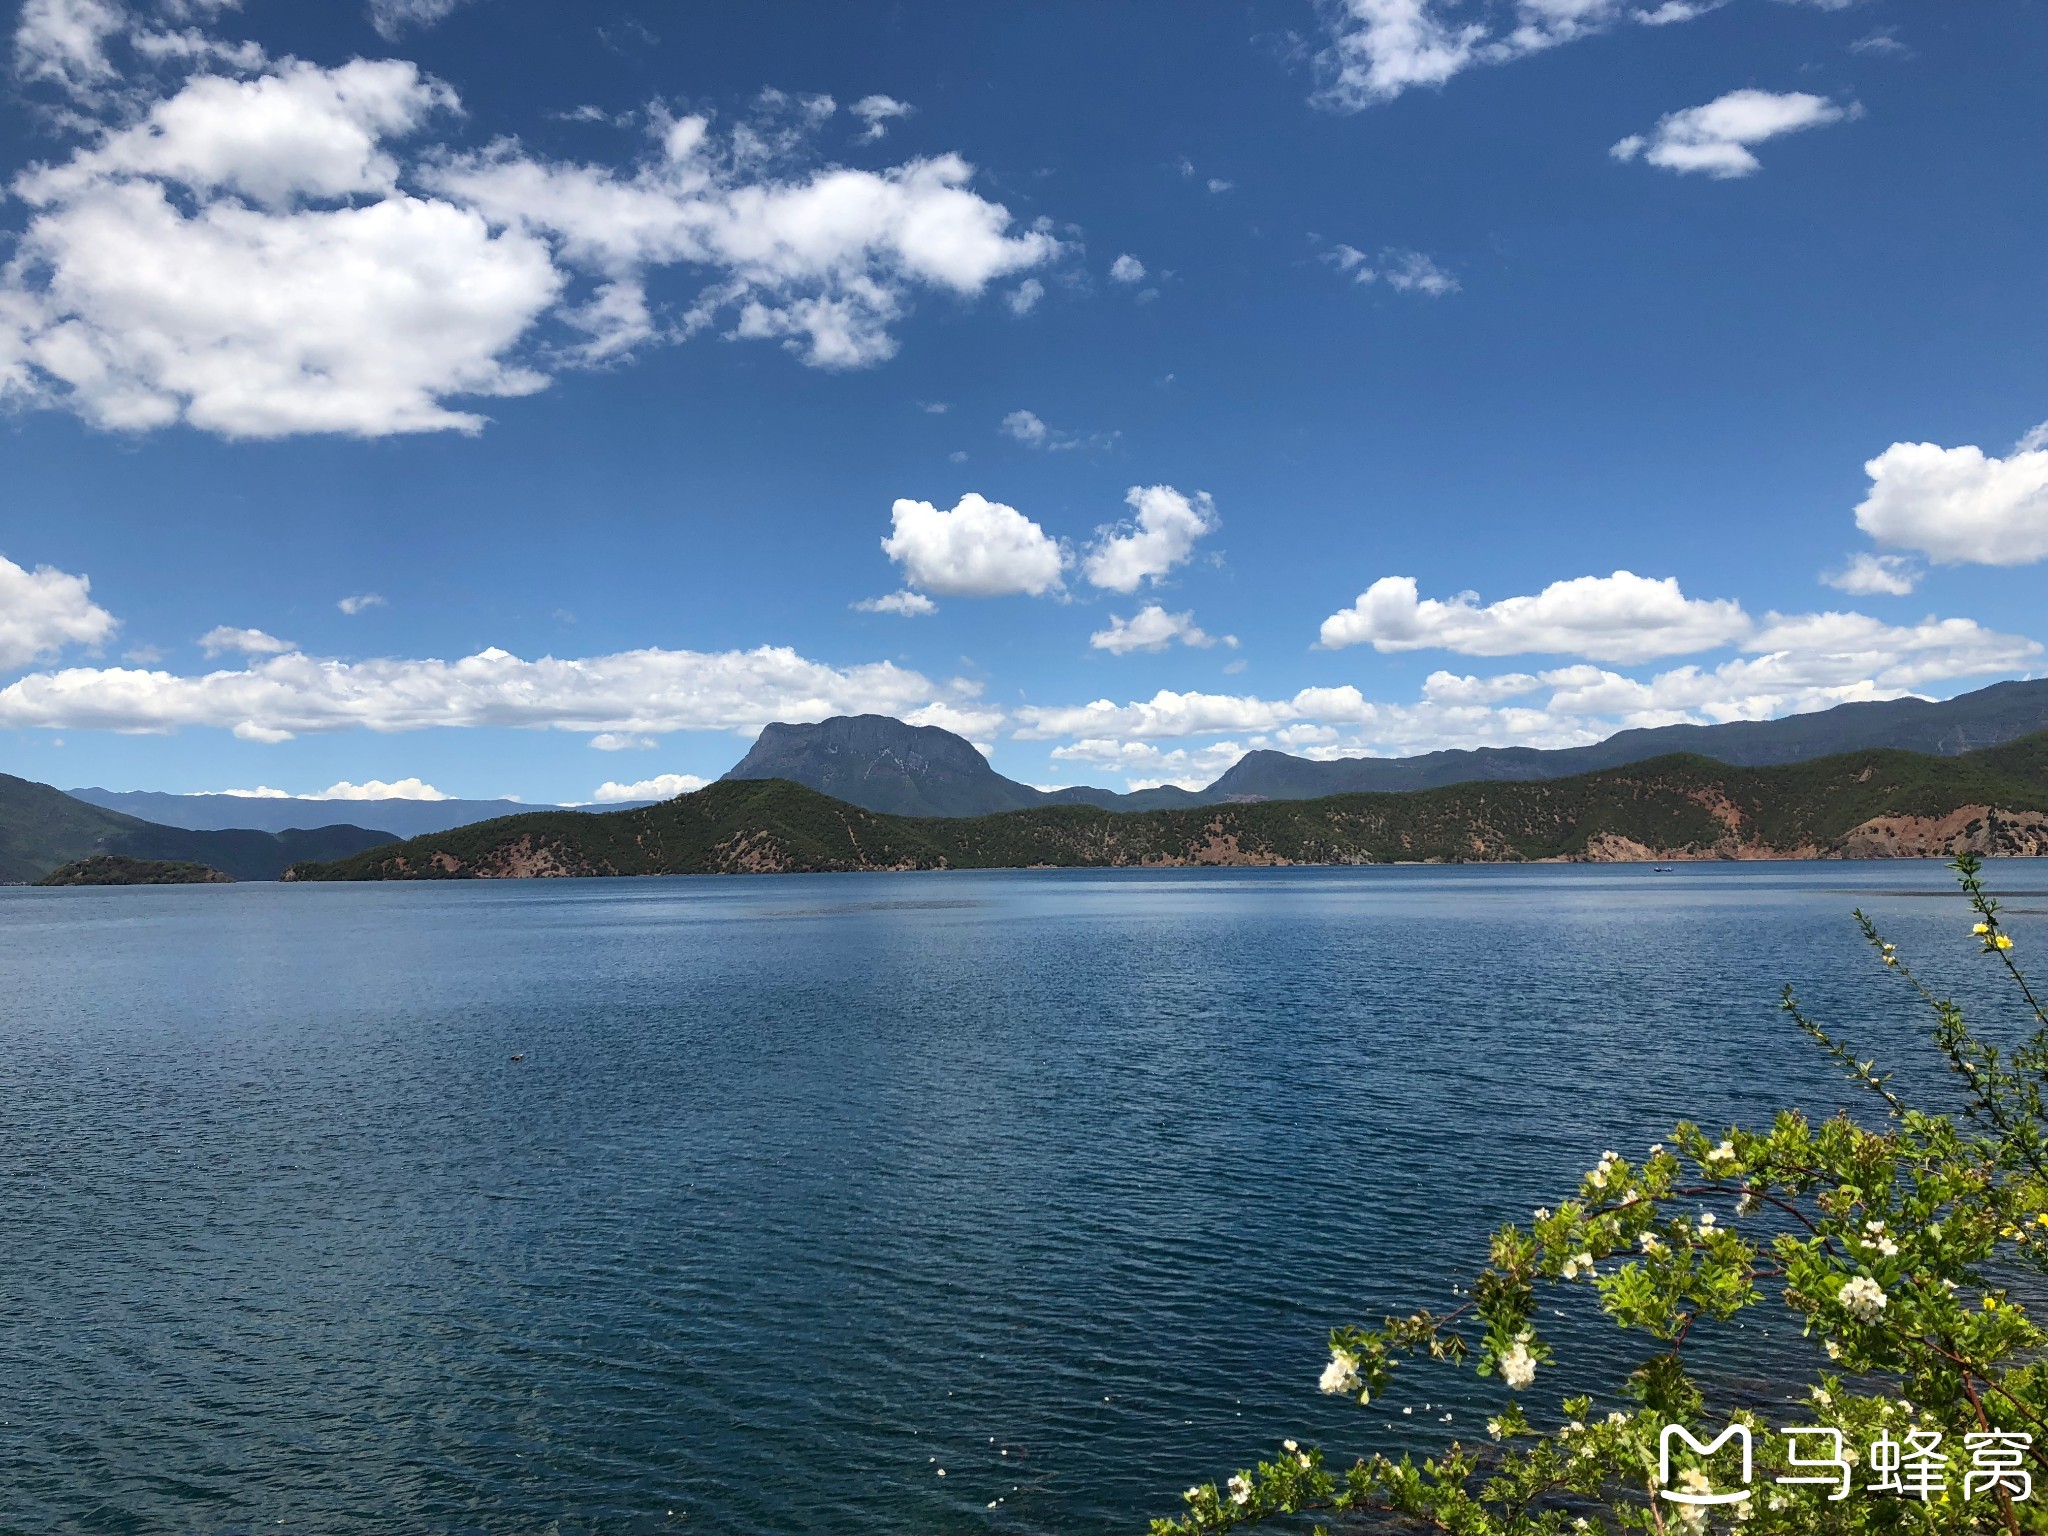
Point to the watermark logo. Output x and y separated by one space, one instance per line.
1819 1456
1695 1493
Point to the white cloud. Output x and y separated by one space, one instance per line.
1715 139
1146 766
826 263
245 642
622 741
391 17
1218 184
355 605
1623 617
1025 296
1868 575
980 548
1126 555
1882 41
1127 269
44 610
905 604
1451 688
1795 663
377 789
663 786
1027 428
262 255
1379 49
1152 628
971 721
643 692
1401 270
65 42
1960 505
298 132
878 112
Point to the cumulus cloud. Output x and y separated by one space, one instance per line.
1024 298
221 640
1868 575
273 248
622 741
905 604
1623 617
1453 688
1715 139
1162 536
377 789
357 604
980 548
1793 663
663 786
1127 269
643 692
1960 505
1401 270
1152 628
44 610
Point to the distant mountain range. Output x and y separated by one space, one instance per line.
881 764
42 829
213 813
1869 804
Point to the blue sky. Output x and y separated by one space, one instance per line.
1368 377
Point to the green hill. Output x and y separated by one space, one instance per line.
42 829
115 869
1859 804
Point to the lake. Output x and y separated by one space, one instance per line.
810 1187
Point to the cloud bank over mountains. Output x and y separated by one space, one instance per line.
1784 663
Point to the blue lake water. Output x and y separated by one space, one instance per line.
809 1187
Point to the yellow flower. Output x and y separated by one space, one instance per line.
1981 929
2003 941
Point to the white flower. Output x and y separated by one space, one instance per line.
1518 1366
1598 1177
1724 1153
1649 1244
1656 1147
1541 1213
1341 1374
1493 1428
1617 1417
1192 1494
1289 1445
1578 1264
1863 1298
1748 1205
1834 1350
1240 1489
